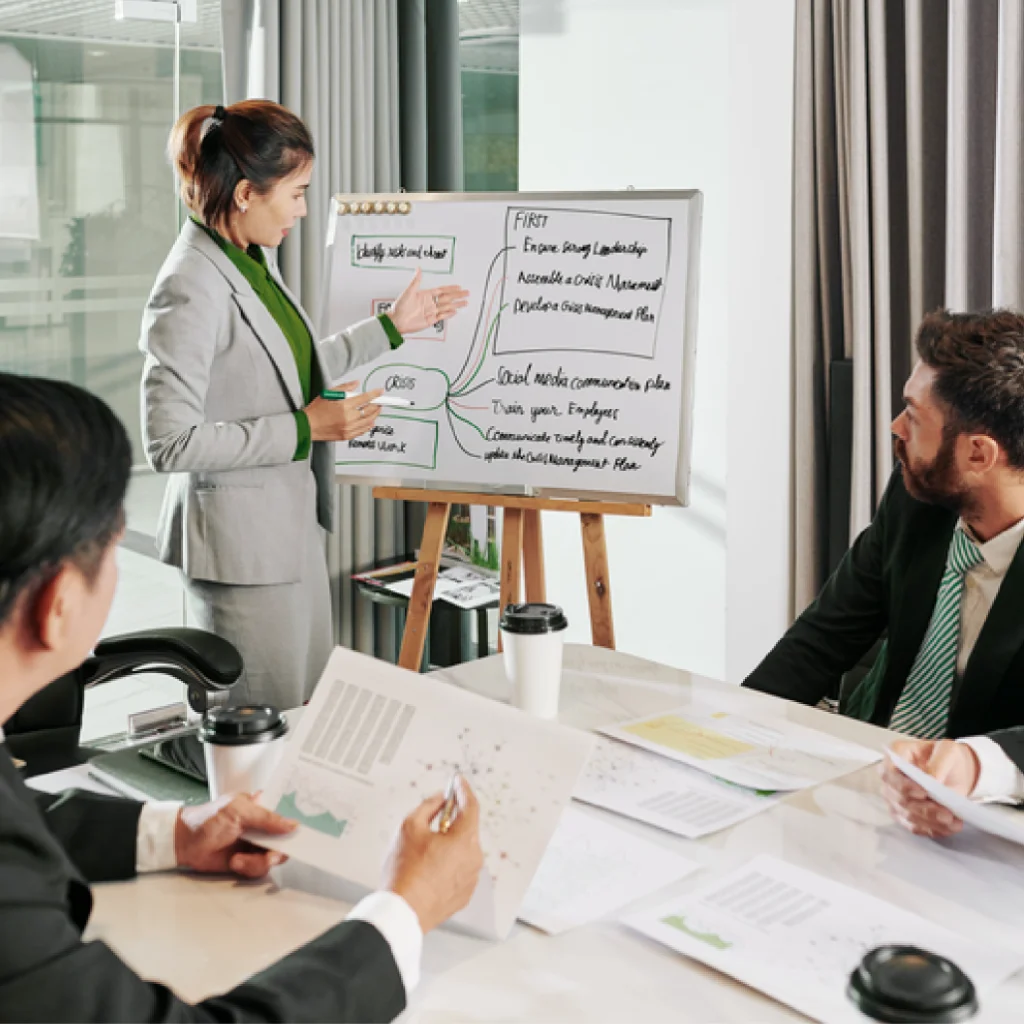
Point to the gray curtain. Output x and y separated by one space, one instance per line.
907 197
336 63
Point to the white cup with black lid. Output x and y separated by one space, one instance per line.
532 638
242 746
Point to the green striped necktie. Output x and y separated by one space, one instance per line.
923 707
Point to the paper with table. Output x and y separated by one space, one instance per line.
376 740
797 936
648 787
460 585
592 869
996 819
768 754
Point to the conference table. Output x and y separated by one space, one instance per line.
202 936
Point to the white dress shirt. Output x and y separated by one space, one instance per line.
999 776
982 583
386 911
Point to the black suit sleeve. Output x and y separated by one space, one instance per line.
847 617
48 974
1012 742
99 833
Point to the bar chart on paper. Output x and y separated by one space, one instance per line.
376 741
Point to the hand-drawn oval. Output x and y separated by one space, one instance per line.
426 388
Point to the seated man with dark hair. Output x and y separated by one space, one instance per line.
64 468
940 570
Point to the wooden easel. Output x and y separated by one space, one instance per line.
521 546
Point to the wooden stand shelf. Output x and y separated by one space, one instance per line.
522 555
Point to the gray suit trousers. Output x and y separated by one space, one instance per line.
282 630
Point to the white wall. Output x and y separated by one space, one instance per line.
661 94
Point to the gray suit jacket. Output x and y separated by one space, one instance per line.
219 390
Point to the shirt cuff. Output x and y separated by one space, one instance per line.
154 843
400 926
305 436
395 338
998 776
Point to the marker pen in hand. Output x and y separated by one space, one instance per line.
385 401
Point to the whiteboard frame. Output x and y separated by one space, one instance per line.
689 349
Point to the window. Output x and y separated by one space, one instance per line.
86 103
489 55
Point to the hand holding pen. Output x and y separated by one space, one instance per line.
332 419
436 872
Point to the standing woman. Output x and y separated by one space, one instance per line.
230 397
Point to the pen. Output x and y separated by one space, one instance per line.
384 400
387 400
451 804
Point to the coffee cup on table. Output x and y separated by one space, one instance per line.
242 747
532 637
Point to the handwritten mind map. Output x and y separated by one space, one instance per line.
572 367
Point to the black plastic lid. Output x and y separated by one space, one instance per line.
251 723
533 618
904 985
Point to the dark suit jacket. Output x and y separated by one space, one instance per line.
889 580
1012 742
48 973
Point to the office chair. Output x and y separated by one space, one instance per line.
45 731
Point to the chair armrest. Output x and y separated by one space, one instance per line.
199 653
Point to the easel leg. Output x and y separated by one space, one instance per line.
422 597
595 558
533 556
511 559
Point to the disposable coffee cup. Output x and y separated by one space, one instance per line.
532 637
242 746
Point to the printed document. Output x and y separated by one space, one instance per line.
996 819
461 586
376 740
638 784
797 937
592 869
769 753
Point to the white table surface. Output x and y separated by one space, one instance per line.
215 932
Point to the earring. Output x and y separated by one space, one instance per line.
242 207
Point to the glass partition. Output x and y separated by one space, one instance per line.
489 55
87 103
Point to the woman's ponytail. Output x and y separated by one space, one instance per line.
183 150
212 149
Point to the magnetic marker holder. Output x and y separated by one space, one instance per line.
373 206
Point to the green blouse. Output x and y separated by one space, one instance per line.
252 264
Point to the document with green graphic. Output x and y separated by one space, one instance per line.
797 937
376 740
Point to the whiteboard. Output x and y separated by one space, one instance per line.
571 371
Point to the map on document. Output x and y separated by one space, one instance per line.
376 740
767 754
638 784
797 936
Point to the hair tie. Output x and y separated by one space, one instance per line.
219 113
